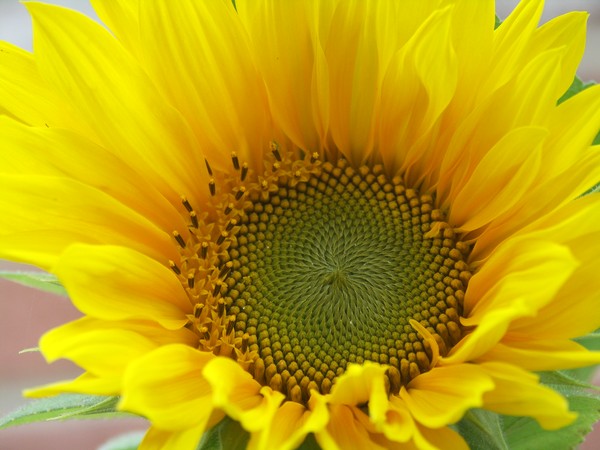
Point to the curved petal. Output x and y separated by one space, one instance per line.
63 153
346 430
108 89
499 180
121 17
157 439
116 283
441 396
549 354
281 36
240 396
359 384
518 393
206 45
517 281
186 404
83 384
26 96
43 215
104 353
290 426
418 85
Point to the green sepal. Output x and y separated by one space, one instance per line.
127 441
486 430
63 407
226 435
39 280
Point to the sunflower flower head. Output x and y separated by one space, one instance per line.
345 223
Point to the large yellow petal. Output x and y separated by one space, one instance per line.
358 384
567 30
122 19
439 439
157 439
499 180
512 40
83 384
43 215
518 393
282 38
186 404
205 44
441 396
346 430
418 85
26 96
516 281
60 152
549 354
109 89
240 396
116 283
104 353
289 427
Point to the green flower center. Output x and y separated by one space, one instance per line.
332 270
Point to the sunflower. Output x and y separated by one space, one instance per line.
352 221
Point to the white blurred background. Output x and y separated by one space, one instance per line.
25 314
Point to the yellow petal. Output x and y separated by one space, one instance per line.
121 17
346 431
518 393
499 180
550 354
240 396
157 439
26 96
567 30
512 39
358 384
289 427
418 85
187 401
43 215
102 352
53 152
205 44
116 283
439 438
399 425
441 396
108 89
84 384
516 281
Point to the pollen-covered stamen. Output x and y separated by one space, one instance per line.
179 239
235 160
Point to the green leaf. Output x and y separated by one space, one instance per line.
226 435
63 407
482 430
38 280
128 441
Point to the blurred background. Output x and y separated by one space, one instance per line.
25 314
